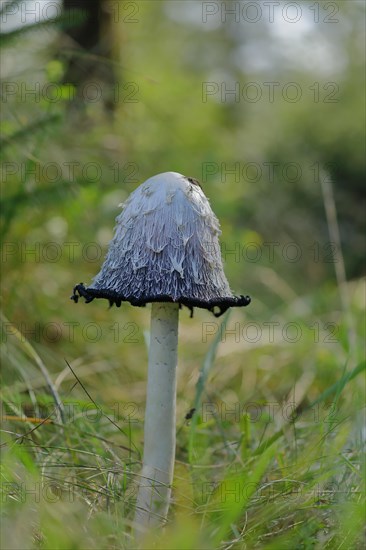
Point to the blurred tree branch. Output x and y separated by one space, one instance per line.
88 47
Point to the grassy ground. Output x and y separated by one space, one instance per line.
272 457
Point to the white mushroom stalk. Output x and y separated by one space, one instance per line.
159 446
166 251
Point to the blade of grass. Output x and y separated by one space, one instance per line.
336 388
203 375
234 507
339 266
31 352
99 408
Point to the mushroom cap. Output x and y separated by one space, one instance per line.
165 249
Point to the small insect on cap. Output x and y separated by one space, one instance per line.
165 249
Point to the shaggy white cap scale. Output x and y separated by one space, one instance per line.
165 248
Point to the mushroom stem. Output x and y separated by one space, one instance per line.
159 445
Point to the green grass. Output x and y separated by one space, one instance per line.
271 459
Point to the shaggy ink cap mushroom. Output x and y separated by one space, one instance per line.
165 249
